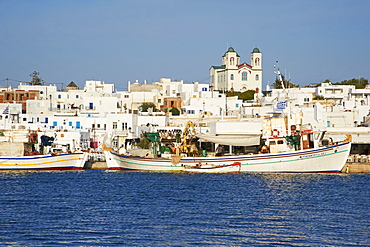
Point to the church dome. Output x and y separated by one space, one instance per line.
231 49
256 50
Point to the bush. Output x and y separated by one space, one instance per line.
175 111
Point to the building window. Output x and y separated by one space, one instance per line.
244 76
257 62
257 77
124 126
126 96
59 96
159 100
114 125
232 77
69 123
77 96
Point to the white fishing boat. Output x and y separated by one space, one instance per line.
68 161
315 156
18 152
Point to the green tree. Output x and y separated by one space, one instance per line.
36 79
247 95
358 83
175 111
318 97
145 106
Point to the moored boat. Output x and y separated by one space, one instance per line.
211 168
68 161
323 159
281 156
18 152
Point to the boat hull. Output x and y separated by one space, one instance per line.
116 161
71 161
323 159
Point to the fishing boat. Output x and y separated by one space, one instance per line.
18 152
306 152
211 168
68 161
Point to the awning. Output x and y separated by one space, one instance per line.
244 140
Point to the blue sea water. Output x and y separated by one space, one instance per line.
105 208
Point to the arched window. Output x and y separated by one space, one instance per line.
232 61
232 77
257 62
257 77
244 76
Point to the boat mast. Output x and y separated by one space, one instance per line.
277 71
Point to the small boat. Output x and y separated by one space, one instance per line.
21 154
68 161
210 168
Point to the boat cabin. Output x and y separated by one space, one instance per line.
301 140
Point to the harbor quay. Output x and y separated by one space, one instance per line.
357 164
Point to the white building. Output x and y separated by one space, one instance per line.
233 74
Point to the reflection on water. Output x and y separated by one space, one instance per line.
176 209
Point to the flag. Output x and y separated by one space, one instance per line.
281 105
6 110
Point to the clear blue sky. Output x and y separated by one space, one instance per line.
118 41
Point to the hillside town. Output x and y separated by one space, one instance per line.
98 116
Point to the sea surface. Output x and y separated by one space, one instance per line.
115 208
